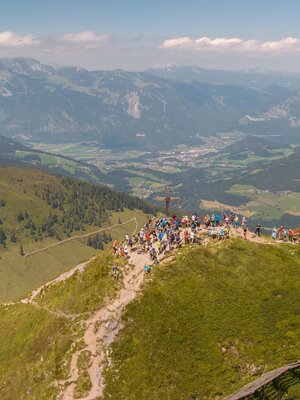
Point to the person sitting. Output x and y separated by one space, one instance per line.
147 269
116 272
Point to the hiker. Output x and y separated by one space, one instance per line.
296 235
193 225
186 236
285 234
148 238
160 236
245 233
274 234
217 219
232 216
192 237
244 222
213 233
147 269
115 247
226 231
116 273
198 238
159 247
221 234
206 220
177 239
257 230
126 251
235 221
280 233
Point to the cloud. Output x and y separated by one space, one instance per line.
184 41
11 39
232 44
87 39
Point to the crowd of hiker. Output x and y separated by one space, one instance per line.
286 235
163 235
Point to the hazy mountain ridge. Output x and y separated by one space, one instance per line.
256 78
119 108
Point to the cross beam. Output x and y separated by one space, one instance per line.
168 198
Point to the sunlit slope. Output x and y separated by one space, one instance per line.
208 323
38 211
37 340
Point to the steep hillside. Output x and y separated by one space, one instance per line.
117 108
39 211
37 355
208 323
279 175
205 324
281 118
8 149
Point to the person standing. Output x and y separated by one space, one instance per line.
257 230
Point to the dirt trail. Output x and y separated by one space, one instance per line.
79 237
56 313
102 328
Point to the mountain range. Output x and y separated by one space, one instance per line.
119 109
254 78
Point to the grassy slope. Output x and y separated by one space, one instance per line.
19 275
35 344
90 288
242 297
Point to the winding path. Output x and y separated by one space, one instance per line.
78 237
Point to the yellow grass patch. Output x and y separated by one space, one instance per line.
216 205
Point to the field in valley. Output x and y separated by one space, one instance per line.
261 204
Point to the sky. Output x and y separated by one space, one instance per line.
138 34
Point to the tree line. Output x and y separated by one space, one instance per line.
75 205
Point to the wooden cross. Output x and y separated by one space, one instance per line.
168 198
